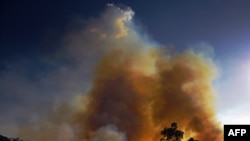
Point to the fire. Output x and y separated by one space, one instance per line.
137 90
140 104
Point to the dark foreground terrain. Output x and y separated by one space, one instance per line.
3 138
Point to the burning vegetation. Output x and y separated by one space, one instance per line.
137 88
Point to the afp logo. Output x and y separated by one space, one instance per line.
237 132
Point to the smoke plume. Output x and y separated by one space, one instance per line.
137 88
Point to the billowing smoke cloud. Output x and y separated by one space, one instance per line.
137 89
108 133
140 103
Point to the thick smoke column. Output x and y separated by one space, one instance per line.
137 89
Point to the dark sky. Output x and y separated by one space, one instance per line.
27 26
31 29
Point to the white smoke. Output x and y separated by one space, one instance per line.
108 133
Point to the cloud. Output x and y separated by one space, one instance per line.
109 83
234 90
